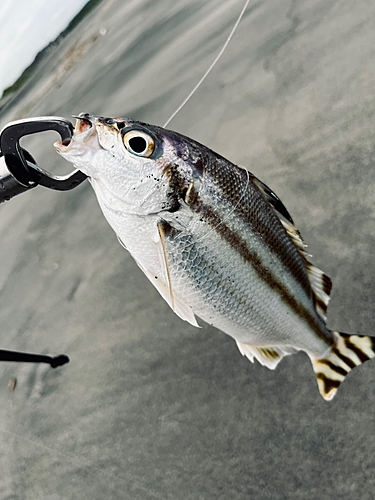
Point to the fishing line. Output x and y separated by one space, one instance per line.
234 208
212 65
228 215
73 457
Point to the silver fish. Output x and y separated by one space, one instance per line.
215 241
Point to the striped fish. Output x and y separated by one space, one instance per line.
216 242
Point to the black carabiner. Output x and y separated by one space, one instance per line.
19 171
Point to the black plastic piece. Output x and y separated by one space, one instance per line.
26 357
21 172
9 185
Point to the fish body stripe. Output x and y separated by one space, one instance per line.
335 368
240 245
236 187
345 359
329 385
231 180
362 356
349 352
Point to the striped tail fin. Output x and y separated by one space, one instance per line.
349 352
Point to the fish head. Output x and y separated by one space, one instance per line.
131 165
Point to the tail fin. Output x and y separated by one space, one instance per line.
349 352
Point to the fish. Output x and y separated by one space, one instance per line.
216 242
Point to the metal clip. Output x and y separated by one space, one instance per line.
21 172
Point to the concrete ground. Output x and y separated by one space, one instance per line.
149 407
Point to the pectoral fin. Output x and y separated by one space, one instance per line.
182 310
164 284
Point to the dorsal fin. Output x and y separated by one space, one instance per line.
321 284
272 198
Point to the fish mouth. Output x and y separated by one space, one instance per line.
83 124
84 131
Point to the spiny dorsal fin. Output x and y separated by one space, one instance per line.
321 284
349 352
267 356
272 198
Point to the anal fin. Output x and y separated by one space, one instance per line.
267 356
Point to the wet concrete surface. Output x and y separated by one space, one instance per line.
150 407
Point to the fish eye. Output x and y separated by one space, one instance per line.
139 143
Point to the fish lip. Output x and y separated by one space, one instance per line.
81 135
83 119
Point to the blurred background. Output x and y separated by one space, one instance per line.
150 407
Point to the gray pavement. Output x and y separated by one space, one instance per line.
149 407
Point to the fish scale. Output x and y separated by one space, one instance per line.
243 307
216 242
254 241
261 217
